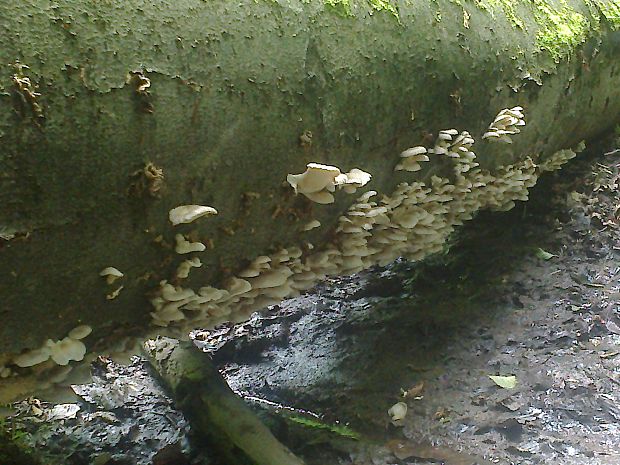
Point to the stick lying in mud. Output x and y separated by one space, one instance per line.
213 409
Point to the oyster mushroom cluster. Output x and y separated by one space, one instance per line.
319 181
505 124
412 221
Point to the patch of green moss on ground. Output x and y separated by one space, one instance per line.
561 30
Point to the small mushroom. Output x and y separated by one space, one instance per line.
316 178
505 124
115 293
186 265
65 350
174 294
111 274
189 213
80 332
311 225
184 246
353 180
397 413
322 197
236 286
32 357
271 278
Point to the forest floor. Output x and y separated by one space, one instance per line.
531 295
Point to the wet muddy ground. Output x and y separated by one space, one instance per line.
531 296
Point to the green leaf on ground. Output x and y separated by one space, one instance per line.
540 253
506 382
340 430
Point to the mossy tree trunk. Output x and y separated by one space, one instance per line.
99 100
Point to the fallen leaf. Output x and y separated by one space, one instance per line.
506 382
540 253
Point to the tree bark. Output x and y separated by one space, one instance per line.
112 114
214 410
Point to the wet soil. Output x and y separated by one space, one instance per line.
533 294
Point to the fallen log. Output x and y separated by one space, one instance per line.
112 116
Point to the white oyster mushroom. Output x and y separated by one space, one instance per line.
32 357
184 246
319 181
66 350
322 197
236 286
189 213
272 278
186 265
173 294
316 178
80 332
258 264
111 274
505 124
311 225
353 180
411 158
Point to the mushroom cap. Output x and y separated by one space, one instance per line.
111 274
236 286
418 150
272 278
170 312
67 349
189 213
357 177
184 246
174 294
32 357
186 265
316 178
213 293
322 197
80 332
311 225
111 271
